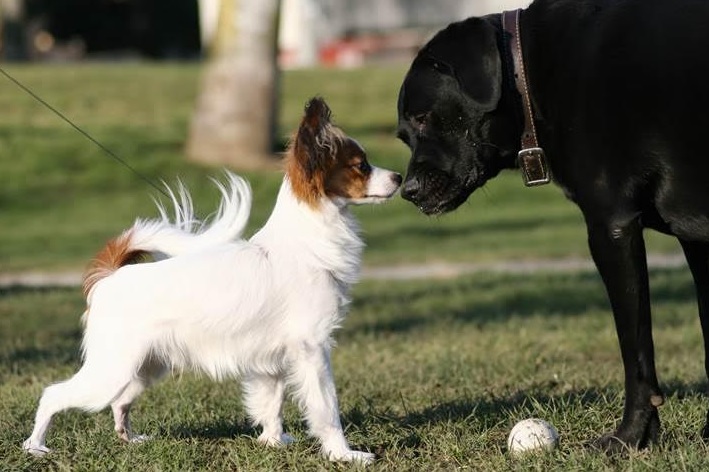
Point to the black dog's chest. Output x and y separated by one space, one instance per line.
662 200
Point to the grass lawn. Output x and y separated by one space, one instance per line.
61 197
431 376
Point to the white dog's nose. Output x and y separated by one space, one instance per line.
397 178
383 183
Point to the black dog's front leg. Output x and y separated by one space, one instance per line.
619 253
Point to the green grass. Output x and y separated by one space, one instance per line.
61 197
431 376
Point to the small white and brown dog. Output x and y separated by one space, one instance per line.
263 309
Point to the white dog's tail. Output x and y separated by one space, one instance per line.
162 238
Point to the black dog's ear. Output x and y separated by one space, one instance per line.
468 51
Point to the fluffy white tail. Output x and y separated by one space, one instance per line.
163 237
166 238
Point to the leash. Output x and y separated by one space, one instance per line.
81 131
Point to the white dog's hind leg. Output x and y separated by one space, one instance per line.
151 371
315 391
87 389
148 374
263 397
121 409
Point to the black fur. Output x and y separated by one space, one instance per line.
620 90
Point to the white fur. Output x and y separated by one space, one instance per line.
379 188
165 238
263 309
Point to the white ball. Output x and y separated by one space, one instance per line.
532 434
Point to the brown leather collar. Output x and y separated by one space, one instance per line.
532 160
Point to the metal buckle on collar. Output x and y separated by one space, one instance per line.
534 167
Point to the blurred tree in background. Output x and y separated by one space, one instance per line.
234 121
12 34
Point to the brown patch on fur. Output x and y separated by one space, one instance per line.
350 175
322 160
307 186
113 256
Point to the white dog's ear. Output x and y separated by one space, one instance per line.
313 151
317 115
313 143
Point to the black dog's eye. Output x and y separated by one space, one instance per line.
440 66
420 122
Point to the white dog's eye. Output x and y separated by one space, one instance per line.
363 166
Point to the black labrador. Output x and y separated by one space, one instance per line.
618 98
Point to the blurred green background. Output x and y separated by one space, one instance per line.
61 197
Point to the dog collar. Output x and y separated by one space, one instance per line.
531 157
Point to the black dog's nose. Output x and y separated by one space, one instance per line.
411 188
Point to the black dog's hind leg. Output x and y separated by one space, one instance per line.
619 254
697 255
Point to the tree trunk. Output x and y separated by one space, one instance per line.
235 116
12 32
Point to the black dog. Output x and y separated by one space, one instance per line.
618 93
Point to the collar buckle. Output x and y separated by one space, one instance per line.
534 167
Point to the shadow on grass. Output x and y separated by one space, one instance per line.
494 298
221 429
486 414
51 355
23 289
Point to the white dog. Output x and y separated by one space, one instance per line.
262 309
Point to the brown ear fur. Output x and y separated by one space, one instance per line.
312 152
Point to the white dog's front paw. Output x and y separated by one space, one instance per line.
276 441
139 438
131 437
38 450
364 458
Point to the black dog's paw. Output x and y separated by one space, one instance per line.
637 435
705 432
611 445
